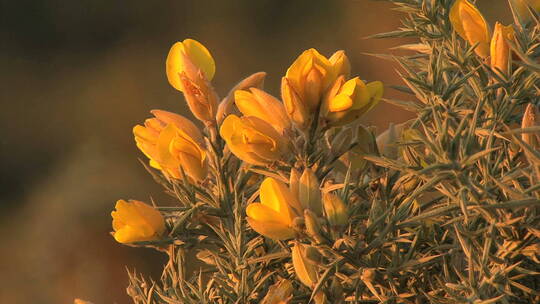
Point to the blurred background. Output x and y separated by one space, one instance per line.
76 76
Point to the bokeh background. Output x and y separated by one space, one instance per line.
76 76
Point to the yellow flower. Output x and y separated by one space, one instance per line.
274 215
172 142
469 23
135 221
500 50
349 100
305 269
253 140
190 67
279 293
258 103
307 80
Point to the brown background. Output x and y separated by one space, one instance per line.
77 75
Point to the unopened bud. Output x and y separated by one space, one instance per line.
336 210
531 118
341 63
309 192
306 271
500 49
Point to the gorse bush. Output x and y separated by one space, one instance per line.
294 201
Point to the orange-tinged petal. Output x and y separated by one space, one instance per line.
341 102
296 110
273 230
228 126
201 57
469 23
183 57
277 196
164 157
350 86
258 103
340 63
180 122
136 221
193 166
264 213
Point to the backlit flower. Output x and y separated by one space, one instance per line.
348 100
135 221
190 67
258 103
307 80
172 143
253 140
469 23
274 215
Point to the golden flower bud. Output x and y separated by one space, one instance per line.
309 192
253 140
258 103
469 23
348 100
296 109
190 67
500 50
305 269
305 83
335 209
135 221
279 293
341 64
273 217
531 118
172 143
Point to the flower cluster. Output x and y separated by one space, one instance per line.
290 199
261 131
